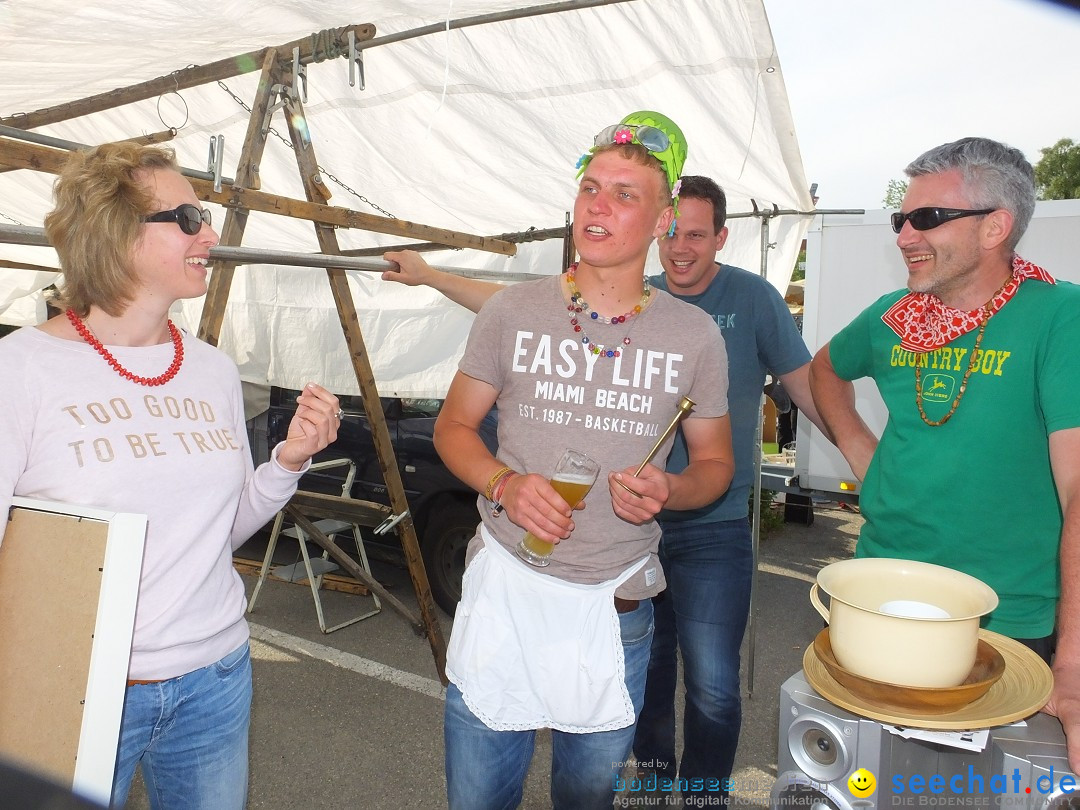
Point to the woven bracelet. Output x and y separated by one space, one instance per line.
494 480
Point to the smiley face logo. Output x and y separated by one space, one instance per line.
862 783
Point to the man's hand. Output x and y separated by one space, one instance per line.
652 489
1065 705
1065 699
533 504
471 293
835 400
411 268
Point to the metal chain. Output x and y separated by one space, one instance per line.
9 219
322 170
356 193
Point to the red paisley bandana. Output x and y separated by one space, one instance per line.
923 323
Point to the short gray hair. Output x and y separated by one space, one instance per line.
995 175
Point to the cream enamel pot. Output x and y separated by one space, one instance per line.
928 633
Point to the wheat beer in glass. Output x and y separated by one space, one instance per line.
573 478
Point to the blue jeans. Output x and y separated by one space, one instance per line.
191 735
709 569
485 769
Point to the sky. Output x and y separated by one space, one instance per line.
874 84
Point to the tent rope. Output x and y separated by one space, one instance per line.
325 45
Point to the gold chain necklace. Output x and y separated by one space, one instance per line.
972 363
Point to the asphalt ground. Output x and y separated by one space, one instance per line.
353 719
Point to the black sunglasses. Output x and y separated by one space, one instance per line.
189 217
925 219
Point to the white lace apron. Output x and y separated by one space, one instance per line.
532 651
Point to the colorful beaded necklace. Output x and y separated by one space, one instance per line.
985 311
579 306
174 367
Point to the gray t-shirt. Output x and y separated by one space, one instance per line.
554 394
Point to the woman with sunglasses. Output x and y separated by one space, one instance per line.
111 405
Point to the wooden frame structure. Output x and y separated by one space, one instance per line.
277 88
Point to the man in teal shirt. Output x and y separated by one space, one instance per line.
707 553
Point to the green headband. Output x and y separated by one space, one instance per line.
660 136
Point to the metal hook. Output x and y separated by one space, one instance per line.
280 93
390 522
356 61
216 158
299 77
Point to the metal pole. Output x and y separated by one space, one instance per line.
755 531
483 19
780 212
751 630
27 235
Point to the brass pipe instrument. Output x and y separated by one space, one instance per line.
685 406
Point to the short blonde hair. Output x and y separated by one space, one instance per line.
101 197
639 154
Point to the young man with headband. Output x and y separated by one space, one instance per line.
596 360
706 553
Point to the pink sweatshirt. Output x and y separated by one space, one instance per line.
73 430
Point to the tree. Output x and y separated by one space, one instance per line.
894 194
1057 174
799 273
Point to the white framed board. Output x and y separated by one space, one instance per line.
69 580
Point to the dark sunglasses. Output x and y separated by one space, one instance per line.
189 217
925 219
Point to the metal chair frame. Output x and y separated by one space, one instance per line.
313 570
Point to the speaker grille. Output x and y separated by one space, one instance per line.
819 749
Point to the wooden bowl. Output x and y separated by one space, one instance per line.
989 666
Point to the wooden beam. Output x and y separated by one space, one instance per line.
22 155
182 79
330 582
345 217
247 174
153 137
6 265
353 510
365 378
514 238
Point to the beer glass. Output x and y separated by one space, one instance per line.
573 478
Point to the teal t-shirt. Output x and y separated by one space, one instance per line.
760 336
976 494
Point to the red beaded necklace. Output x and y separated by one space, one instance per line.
579 306
174 367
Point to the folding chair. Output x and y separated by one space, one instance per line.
313 570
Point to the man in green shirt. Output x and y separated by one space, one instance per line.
978 467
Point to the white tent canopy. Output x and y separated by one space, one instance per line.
475 129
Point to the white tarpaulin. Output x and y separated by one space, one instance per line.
474 130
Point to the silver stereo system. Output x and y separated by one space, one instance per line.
1037 755
822 745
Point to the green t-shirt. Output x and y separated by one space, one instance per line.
977 493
